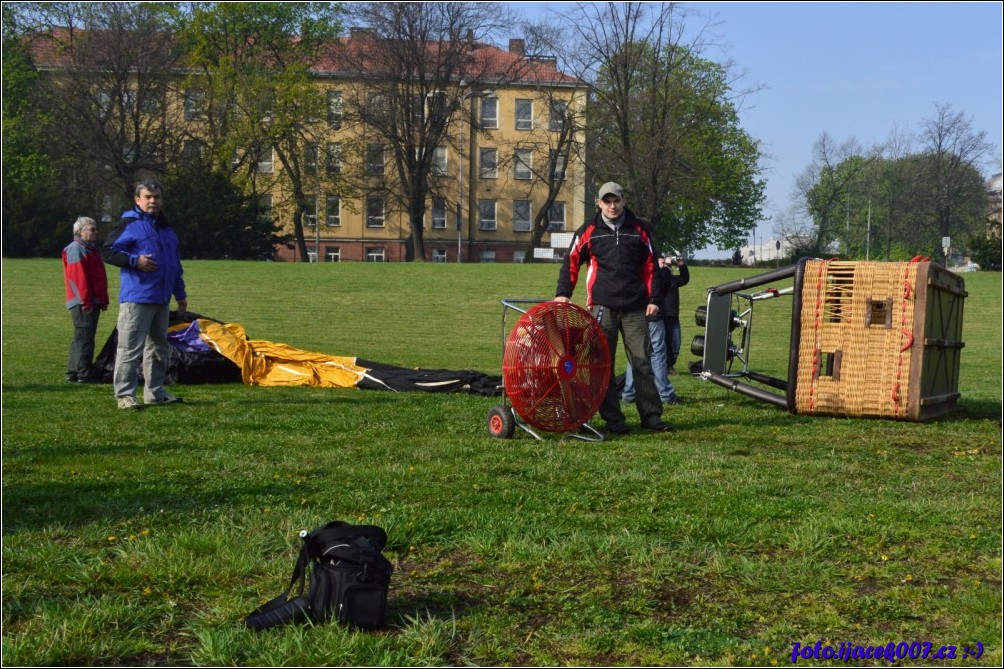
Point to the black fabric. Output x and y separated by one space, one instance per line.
186 367
348 580
402 379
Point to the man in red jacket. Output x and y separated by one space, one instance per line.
616 248
86 297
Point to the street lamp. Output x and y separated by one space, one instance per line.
474 95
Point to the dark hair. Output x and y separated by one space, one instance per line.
147 184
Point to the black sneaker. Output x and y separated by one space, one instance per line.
618 429
659 427
673 400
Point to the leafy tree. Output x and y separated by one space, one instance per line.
252 89
664 123
215 219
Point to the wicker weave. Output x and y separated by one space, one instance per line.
857 325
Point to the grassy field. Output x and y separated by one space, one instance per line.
145 538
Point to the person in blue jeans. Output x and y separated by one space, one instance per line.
671 305
658 354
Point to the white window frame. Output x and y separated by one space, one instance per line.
558 120
488 169
529 216
487 256
373 220
371 164
487 222
438 164
490 120
376 254
333 219
556 224
310 211
438 255
524 121
311 158
336 110
333 253
559 165
522 164
333 158
193 105
266 161
438 212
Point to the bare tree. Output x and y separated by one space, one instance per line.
114 63
821 190
420 63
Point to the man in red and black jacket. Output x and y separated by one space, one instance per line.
616 248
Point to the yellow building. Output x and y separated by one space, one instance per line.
479 210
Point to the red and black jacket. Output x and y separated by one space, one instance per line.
620 264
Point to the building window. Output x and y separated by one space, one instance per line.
192 151
438 165
333 211
310 210
524 114
557 163
333 158
556 217
335 110
439 213
374 160
265 207
489 160
522 215
374 254
523 164
486 215
559 115
333 253
438 255
193 105
265 164
437 106
487 256
374 212
311 156
519 256
489 113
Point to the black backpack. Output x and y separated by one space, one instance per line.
348 576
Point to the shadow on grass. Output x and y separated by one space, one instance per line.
36 505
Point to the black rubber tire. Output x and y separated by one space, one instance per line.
501 422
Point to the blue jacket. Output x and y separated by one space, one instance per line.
139 233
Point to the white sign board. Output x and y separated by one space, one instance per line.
544 254
561 240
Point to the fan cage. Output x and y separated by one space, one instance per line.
556 366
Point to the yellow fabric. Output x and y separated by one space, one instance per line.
265 363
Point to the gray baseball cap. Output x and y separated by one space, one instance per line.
610 188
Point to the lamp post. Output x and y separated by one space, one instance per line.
473 95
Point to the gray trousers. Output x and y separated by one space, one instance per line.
633 327
142 336
80 363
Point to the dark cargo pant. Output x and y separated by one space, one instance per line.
633 326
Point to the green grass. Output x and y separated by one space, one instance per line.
145 538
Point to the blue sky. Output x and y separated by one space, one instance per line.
851 69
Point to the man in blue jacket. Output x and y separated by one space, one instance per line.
145 249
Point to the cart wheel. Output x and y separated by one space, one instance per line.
501 423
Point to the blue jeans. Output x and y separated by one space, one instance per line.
673 338
142 339
660 370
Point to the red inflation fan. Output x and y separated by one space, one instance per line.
555 370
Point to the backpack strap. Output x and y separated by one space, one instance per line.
282 609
